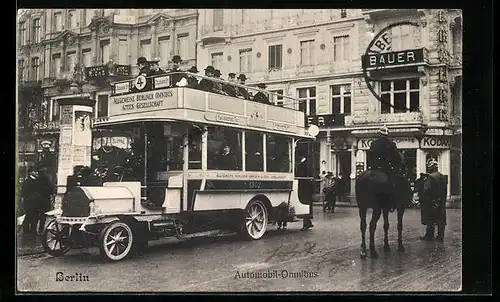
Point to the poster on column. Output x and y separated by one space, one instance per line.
66 115
65 163
81 129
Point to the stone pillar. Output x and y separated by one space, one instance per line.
420 162
75 139
95 48
352 177
154 41
445 168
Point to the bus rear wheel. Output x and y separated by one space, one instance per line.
256 219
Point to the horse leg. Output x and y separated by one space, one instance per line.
385 213
401 212
362 216
373 226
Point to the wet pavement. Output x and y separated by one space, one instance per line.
326 258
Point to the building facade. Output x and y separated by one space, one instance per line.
411 83
63 52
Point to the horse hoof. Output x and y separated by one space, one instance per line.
387 248
373 254
401 248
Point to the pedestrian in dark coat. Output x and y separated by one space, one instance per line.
242 92
47 190
228 88
260 96
206 84
433 202
31 195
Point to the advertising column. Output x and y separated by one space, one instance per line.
75 139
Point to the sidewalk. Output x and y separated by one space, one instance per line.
28 244
450 204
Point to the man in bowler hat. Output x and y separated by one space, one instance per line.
143 65
260 96
228 88
154 67
192 81
176 60
206 84
217 85
242 92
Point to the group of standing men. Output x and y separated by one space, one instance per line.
333 187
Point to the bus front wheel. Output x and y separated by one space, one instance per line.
256 219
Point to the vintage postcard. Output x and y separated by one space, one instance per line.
239 150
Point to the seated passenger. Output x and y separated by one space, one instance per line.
242 92
260 96
217 85
175 78
206 84
228 88
227 160
143 65
154 67
191 80
255 162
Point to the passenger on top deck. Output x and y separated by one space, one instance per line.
191 80
242 92
205 84
143 65
228 88
175 78
154 68
260 96
218 86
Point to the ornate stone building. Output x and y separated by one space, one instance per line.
316 55
65 52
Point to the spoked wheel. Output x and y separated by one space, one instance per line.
55 239
256 220
116 241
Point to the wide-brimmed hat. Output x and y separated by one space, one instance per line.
155 60
242 77
210 68
142 60
262 85
176 59
193 69
383 130
232 75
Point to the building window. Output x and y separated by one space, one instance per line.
275 56
246 60
87 57
35 65
20 65
56 65
37 30
401 38
217 60
183 45
70 61
164 49
22 33
122 51
218 19
278 149
102 105
399 95
307 100
307 52
145 48
218 157
343 13
73 19
58 22
341 99
341 49
277 99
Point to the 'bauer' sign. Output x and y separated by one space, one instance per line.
393 58
143 101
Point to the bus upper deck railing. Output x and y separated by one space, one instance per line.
166 80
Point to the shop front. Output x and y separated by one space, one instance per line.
439 148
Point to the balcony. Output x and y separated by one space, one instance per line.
214 34
384 13
377 119
99 74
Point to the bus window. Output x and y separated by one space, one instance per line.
254 151
223 149
195 150
278 153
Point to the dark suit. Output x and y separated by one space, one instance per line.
227 162
229 89
242 92
174 78
384 154
192 82
261 98
206 85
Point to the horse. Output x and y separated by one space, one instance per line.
373 191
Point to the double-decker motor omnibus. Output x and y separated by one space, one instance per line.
183 162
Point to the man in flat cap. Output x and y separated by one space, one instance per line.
192 81
206 84
260 96
228 88
154 67
242 92
143 65
176 60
